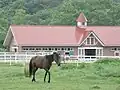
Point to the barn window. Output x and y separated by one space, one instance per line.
62 48
90 41
52 48
49 48
25 48
56 49
83 23
65 49
66 53
116 53
68 49
39 48
114 49
71 48
15 49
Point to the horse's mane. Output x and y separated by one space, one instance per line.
49 57
34 57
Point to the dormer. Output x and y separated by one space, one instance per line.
81 21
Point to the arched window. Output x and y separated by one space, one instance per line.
116 53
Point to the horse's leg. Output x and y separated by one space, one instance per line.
34 70
45 76
49 76
47 71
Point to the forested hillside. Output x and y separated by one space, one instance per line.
57 12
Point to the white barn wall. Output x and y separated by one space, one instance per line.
107 51
13 43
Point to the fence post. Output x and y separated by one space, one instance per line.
5 56
10 60
15 57
77 61
25 56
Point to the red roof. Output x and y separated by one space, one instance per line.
81 18
109 35
31 35
46 35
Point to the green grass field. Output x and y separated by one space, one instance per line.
104 75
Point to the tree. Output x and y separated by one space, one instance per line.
19 17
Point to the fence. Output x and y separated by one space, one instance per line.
19 56
26 56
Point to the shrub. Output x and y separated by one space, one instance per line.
95 87
108 60
68 66
107 67
73 66
26 70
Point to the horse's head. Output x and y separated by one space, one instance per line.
56 58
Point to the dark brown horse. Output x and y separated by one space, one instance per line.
43 62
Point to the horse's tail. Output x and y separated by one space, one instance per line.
30 68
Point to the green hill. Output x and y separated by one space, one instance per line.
57 12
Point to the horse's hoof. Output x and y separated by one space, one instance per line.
48 81
33 80
44 80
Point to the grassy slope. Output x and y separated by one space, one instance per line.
97 76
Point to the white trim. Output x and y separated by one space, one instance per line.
53 45
94 36
80 24
13 48
98 49
90 47
85 23
13 35
6 37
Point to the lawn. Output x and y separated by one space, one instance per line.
104 75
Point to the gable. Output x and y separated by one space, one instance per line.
9 39
91 40
13 42
109 35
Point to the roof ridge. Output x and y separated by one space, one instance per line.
45 25
103 26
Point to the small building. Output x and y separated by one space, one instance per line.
73 40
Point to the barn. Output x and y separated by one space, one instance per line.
71 40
